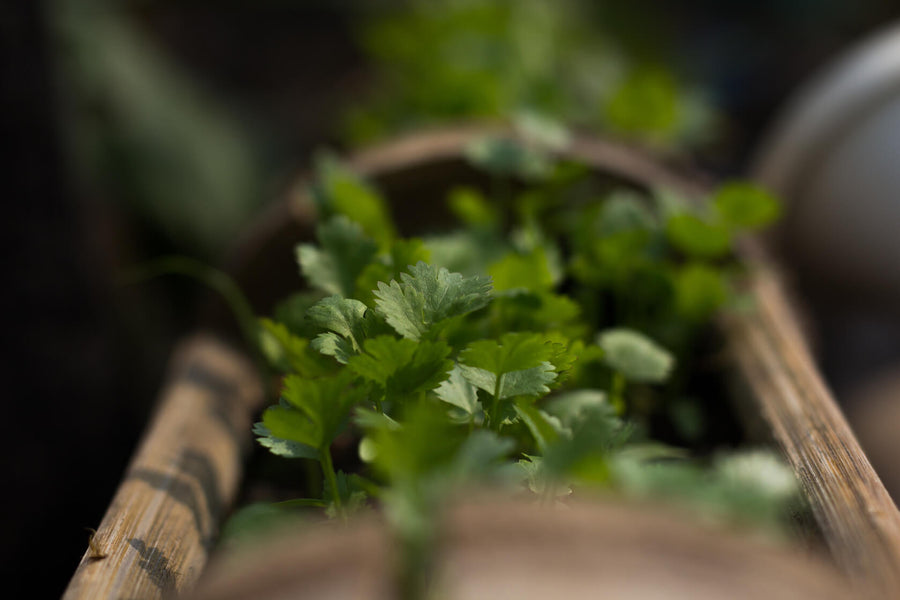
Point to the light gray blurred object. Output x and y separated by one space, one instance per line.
834 155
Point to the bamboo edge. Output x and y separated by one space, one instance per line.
157 533
858 519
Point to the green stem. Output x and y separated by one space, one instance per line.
218 280
495 406
617 393
330 477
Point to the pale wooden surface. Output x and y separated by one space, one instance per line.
858 519
521 550
158 531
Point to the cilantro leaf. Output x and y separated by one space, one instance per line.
314 409
545 428
596 434
571 407
402 367
292 312
457 390
518 365
427 295
345 317
745 205
697 237
635 356
287 352
700 291
340 191
403 253
471 207
624 211
522 310
423 441
345 251
505 156
331 344
529 271
282 447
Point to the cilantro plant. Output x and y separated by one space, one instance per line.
532 349
443 60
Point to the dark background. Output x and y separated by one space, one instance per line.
84 356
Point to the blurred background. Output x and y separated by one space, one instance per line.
152 127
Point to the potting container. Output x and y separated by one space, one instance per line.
160 528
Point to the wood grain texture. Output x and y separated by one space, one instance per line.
493 548
858 519
158 531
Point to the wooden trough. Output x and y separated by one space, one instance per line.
157 534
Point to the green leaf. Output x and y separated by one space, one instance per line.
331 344
646 103
343 316
424 442
288 352
564 353
529 271
635 356
256 520
457 391
351 493
402 367
744 205
597 433
624 211
479 458
315 409
467 251
541 130
536 477
345 251
340 191
760 472
281 446
292 312
471 207
517 365
505 156
402 255
545 428
571 407
427 295
523 310
700 291
698 238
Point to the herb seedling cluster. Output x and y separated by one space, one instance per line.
528 350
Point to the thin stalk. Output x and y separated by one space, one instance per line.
330 477
617 393
218 280
495 406
215 279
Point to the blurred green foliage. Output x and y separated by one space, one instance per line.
444 60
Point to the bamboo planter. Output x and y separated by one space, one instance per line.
158 532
